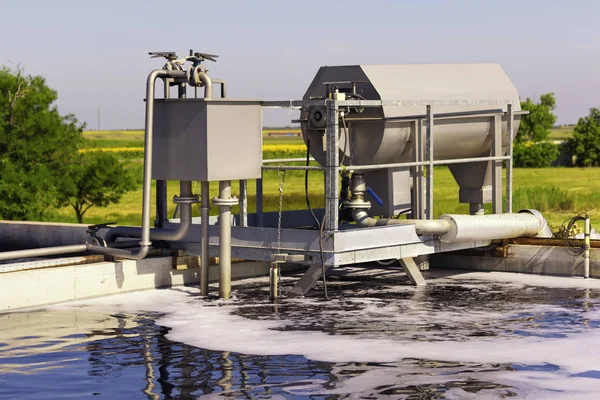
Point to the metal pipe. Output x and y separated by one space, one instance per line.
284 160
145 242
207 82
178 233
292 168
47 251
419 163
476 209
204 213
224 239
465 228
422 226
586 249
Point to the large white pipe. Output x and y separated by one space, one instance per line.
464 228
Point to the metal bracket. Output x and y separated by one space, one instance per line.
217 201
186 199
282 258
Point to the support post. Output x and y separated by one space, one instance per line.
418 209
496 165
225 201
586 249
259 201
509 163
274 281
332 178
244 203
429 141
412 271
204 214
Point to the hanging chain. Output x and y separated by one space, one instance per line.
281 176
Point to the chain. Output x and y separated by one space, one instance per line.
281 176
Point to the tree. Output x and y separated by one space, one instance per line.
535 126
585 143
40 163
34 141
531 149
95 178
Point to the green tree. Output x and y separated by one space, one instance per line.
531 149
94 178
585 143
40 163
535 126
35 140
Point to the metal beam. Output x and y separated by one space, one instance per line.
412 271
429 143
496 165
509 163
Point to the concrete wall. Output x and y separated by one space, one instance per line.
542 260
39 287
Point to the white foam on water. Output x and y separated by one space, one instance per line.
523 279
212 326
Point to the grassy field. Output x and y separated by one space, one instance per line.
561 133
557 192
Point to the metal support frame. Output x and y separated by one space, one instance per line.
429 146
347 245
496 164
243 203
509 163
332 162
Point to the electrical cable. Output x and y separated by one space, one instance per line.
575 247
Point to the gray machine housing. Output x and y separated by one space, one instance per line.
207 140
387 134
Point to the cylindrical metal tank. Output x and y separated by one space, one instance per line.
375 137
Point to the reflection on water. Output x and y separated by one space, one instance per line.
82 351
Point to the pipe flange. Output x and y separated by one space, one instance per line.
357 205
217 201
186 199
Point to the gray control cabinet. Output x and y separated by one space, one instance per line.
207 140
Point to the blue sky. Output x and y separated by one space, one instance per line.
95 53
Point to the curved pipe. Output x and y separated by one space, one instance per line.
159 233
422 226
207 82
145 242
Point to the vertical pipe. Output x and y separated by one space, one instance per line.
509 163
429 141
182 90
332 178
244 203
586 248
496 165
274 281
161 185
224 241
259 200
204 216
476 209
